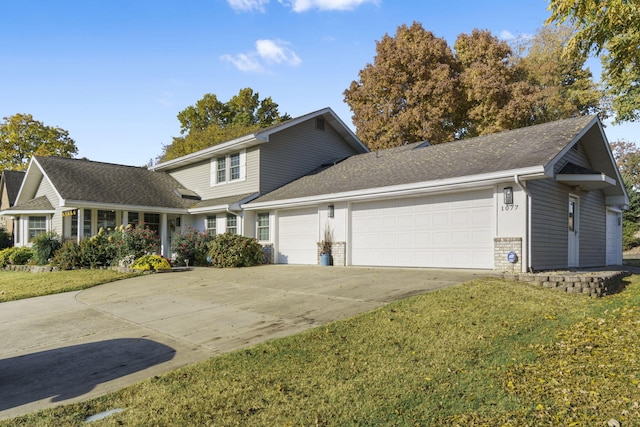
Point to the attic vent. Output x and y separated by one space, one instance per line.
187 194
576 146
320 123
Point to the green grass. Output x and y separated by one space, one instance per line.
485 353
16 285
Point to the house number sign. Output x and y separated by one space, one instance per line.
506 208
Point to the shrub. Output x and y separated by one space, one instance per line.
17 255
139 240
5 239
151 262
191 245
233 250
68 256
45 246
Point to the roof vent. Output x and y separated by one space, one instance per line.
320 123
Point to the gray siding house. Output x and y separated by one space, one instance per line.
543 197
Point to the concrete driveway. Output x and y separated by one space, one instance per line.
77 345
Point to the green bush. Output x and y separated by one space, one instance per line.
45 246
233 250
5 239
629 239
17 255
151 262
68 256
191 245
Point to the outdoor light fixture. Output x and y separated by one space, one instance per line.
331 211
508 195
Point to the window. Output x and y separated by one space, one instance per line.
107 220
133 218
221 170
153 222
228 168
211 225
86 223
263 226
37 226
320 123
232 224
235 166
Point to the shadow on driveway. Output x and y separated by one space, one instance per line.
68 372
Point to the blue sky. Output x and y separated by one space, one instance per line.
116 73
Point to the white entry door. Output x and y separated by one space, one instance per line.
573 227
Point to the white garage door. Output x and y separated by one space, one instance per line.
298 236
449 231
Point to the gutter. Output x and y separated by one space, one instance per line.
524 189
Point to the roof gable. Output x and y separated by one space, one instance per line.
11 182
535 148
85 181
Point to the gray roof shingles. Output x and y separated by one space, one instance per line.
516 149
89 181
13 181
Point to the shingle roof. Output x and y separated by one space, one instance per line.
38 204
89 181
516 149
13 181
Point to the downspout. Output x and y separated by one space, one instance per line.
516 178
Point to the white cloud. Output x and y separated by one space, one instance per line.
509 37
248 5
267 52
244 62
277 51
506 35
304 5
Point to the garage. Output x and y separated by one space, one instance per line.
298 236
445 231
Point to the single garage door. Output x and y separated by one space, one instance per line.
298 236
446 231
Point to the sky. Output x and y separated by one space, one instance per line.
116 73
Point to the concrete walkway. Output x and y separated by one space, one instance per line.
78 345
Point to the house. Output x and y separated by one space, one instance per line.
10 182
542 197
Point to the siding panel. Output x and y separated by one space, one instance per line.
548 225
296 151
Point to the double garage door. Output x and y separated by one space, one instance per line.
448 231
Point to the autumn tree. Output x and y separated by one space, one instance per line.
22 137
410 93
627 156
211 121
611 29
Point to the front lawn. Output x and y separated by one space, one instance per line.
16 285
485 353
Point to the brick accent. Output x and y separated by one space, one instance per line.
501 248
338 253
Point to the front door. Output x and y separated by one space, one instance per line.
573 225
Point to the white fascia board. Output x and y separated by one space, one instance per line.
27 212
235 144
403 190
118 207
209 209
577 179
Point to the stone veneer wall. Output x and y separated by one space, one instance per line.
268 252
501 248
595 284
338 253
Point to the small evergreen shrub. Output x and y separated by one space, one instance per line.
151 262
233 250
5 239
68 256
17 255
191 245
45 246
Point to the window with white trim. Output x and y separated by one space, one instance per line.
262 229
211 225
37 226
228 168
232 224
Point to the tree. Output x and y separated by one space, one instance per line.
22 137
560 86
211 121
611 26
410 93
627 156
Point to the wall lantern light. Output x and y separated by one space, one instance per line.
331 211
508 195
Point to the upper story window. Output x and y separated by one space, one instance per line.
228 168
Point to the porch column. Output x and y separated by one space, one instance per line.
80 213
125 218
164 240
